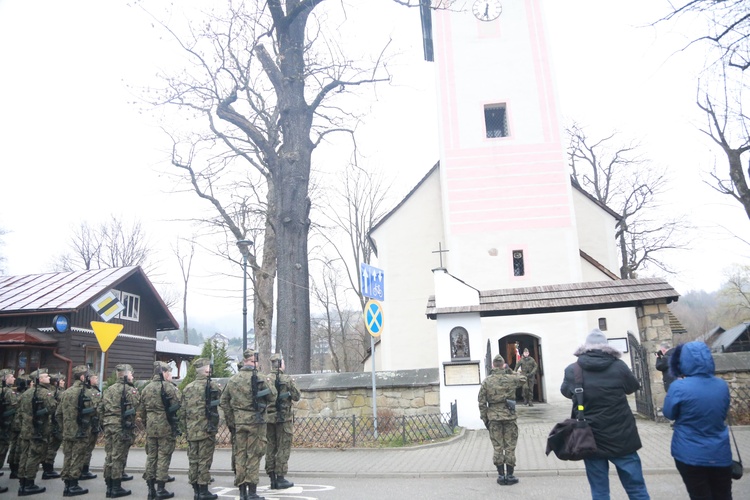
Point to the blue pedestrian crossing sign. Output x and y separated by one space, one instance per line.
372 282
374 317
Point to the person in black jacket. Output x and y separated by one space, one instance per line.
662 364
607 381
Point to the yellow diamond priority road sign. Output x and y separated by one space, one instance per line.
106 333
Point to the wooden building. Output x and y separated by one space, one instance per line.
45 320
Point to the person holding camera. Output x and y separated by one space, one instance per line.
662 364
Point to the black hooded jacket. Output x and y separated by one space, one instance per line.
607 381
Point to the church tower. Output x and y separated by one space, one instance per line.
508 215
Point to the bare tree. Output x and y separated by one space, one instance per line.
185 262
268 79
111 244
734 297
352 209
618 176
338 327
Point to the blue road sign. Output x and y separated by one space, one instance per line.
372 282
374 318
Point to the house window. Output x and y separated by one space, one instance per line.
132 305
495 120
603 324
518 267
93 359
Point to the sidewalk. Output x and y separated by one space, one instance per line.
469 454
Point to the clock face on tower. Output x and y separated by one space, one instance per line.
487 10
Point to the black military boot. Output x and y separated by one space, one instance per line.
170 479
117 489
151 489
13 471
21 486
252 492
74 490
3 489
108 482
501 474
49 471
195 490
85 474
272 477
510 478
126 477
282 484
204 494
243 492
29 488
161 492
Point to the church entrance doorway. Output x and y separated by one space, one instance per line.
512 346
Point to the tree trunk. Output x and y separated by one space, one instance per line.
263 290
738 176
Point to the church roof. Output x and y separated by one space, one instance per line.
565 297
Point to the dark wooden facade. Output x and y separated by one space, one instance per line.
135 345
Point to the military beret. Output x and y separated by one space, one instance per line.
5 372
525 349
276 357
57 376
80 370
201 362
248 353
35 374
124 368
162 366
498 359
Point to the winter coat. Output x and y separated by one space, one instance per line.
698 404
607 381
662 364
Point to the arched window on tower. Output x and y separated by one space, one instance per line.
518 267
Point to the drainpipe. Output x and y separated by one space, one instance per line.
68 362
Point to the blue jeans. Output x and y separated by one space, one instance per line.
628 469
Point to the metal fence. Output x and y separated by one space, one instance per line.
739 410
345 432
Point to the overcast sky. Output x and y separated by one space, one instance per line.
74 146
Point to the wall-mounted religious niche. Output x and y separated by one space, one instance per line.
461 373
459 338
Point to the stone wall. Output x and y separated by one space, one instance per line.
399 393
734 367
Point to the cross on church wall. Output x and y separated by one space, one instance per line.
440 252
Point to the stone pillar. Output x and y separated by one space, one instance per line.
653 329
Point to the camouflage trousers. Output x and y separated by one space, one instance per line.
4 448
91 444
116 447
34 451
14 454
158 457
528 390
55 441
74 451
200 457
504 436
279 447
249 447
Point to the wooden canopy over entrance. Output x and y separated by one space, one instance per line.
565 298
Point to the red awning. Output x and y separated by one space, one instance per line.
25 335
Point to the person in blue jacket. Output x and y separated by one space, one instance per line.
698 403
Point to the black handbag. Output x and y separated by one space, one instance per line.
573 438
736 464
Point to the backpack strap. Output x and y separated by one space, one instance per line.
578 390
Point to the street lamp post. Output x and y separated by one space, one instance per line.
244 246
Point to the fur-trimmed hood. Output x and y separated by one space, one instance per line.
605 348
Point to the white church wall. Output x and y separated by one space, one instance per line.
618 323
465 396
596 231
405 243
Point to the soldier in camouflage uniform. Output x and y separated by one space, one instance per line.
527 367
57 381
200 418
117 410
244 401
162 428
499 416
75 411
36 406
14 455
92 385
280 428
8 406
